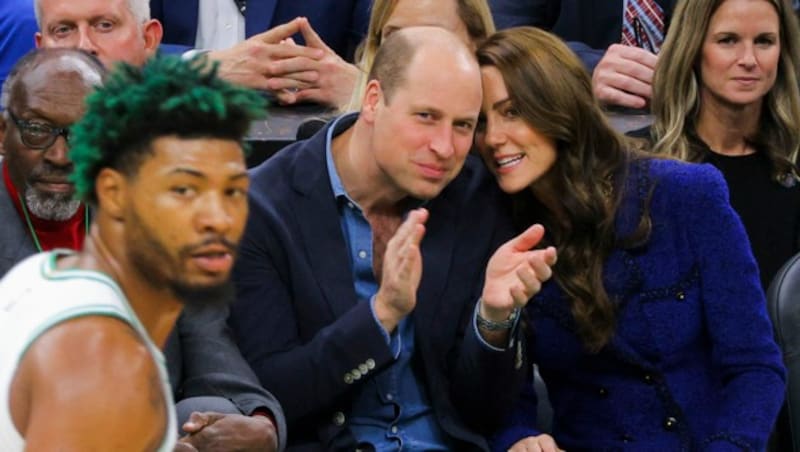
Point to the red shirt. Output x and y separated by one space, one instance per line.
51 234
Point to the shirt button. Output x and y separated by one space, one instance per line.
363 369
389 397
670 423
394 429
680 296
228 26
602 392
649 379
350 205
370 364
338 418
362 254
348 378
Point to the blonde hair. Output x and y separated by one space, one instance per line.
676 89
475 15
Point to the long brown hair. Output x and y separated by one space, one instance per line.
552 93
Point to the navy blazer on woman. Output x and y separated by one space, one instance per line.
693 365
342 24
300 325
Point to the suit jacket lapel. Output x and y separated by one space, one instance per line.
318 219
437 252
258 16
15 243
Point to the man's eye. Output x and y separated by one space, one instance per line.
105 25
183 190
39 129
61 30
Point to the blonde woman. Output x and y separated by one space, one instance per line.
726 93
469 19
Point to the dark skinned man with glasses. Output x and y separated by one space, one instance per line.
41 100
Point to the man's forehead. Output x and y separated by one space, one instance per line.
58 10
47 96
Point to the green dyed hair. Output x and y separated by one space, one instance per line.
167 96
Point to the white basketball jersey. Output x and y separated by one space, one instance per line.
36 296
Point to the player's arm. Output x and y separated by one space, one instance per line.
89 384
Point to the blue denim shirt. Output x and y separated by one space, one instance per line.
391 410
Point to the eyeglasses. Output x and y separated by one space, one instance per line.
38 135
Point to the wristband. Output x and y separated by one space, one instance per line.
491 325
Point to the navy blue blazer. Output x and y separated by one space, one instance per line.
588 26
299 323
342 24
693 365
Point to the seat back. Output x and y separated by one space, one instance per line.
783 302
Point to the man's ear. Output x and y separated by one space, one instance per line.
37 38
111 187
152 33
373 96
2 133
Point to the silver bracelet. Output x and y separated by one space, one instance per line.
491 325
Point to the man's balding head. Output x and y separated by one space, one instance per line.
43 96
67 62
419 111
401 49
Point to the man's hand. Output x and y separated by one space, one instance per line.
402 271
216 431
624 76
540 443
252 62
327 80
515 273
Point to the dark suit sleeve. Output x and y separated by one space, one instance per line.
522 422
485 383
278 309
518 13
213 365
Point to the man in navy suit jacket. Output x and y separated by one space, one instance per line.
369 335
621 75
311 71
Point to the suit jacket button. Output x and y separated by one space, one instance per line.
648 378
627 438
680 295
670 423
338 419
602 392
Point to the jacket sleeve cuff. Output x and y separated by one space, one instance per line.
723 442
394 340
504 439
512 333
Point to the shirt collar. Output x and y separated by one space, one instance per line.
338 126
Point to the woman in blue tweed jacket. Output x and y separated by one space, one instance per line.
653 333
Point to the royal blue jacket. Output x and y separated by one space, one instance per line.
693 365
